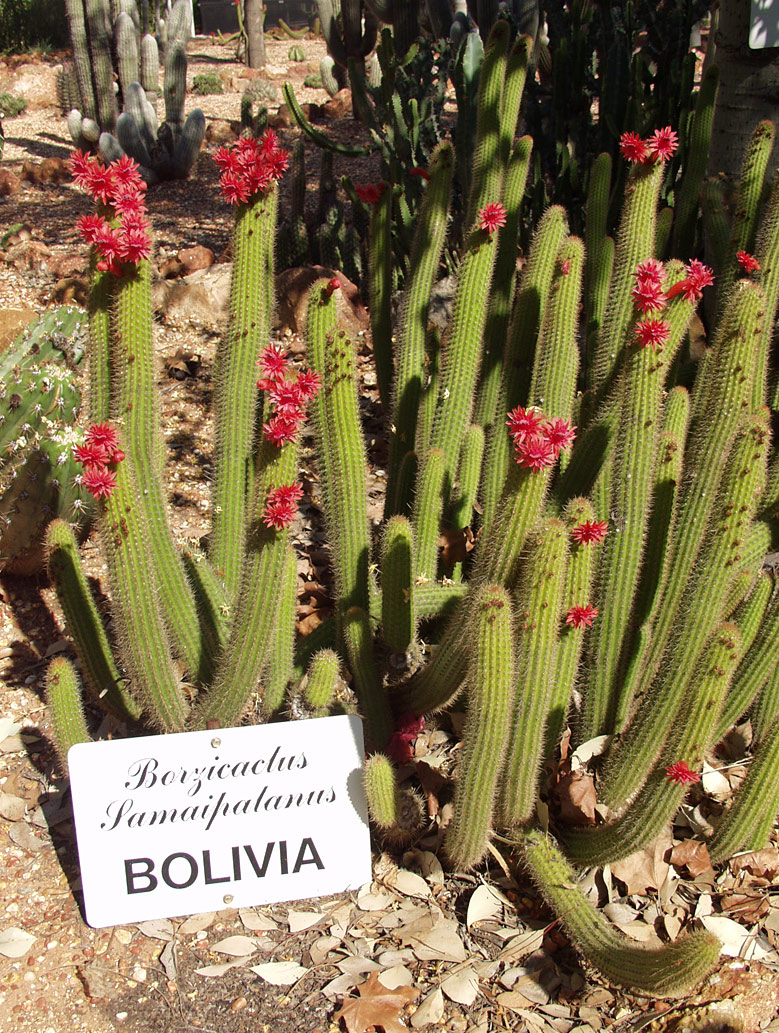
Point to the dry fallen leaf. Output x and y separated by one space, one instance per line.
14 943
485 903
646 868
376 1007
575 793
693 854
236 946
280 973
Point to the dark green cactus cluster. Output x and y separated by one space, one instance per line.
612 522
102 29
40 399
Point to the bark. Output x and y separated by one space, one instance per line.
748 91
253 18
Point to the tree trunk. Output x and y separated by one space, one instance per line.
748 89
253 17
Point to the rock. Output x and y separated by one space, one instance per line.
67 266
220 131
12 322
37 83
249 73
9 183
30 255
50 170
202 297
282 119
339 106
71 290
292 287
193 259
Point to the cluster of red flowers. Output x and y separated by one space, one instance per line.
288 397
581 616
281 505
680 773
121 235
538 440
691 287
747 262
589 532
492 217
372 193
99 453
660 146
649 297
250 167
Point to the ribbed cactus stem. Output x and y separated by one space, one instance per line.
137 406
63 698
688 194
596 215
374 704
513 89
635 242
467 485
251 302
322 677
487 176
767 254
84 624
659 799
748 823
668 971
101 291
279 670
398 616
716 225
426 254
140 625
341 450
490 681
380 290
381 790
428 508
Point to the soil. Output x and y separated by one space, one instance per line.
145 977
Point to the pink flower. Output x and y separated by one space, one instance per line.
281 429
680 773
747 262
524 422
581 616
535 452
103 434
691 287
91 454
273 363
662 144
559 433
99 481
650 271
134 245
590 531
652 333
632 147
309 384
90 226
647 296
491 217
281 506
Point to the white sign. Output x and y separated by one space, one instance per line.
178 824
764 24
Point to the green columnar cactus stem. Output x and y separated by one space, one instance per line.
665 218
467 480
748 823
150 66
659 799
136 406
487 176
632 477
597 296
759 663
341 450
766 709
750 195
688 194
251 303
211 600
380 285
738 592
279 669
101 292
596 215
84 624
428 508
513 88
321 680
257 603
98 23
143 645
767 254
381 790
63 698
398 615
701 600
635 240
428 243
436 599
430 385
81 57
502 294
490 681
540 598
529 309
748 616
716 225
127 54
576 592
374 704
668 971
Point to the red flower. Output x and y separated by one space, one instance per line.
273 364
559 433
250 167
647 297
332 285
680 773
99 481
422 173
134 245
691 287
590 531
282 429
747 262
281 506
371 193
581 616
309 384
632 147
103 434
524 422
492 217
651 332
91 454
662 144
406 731
651 271
535 452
